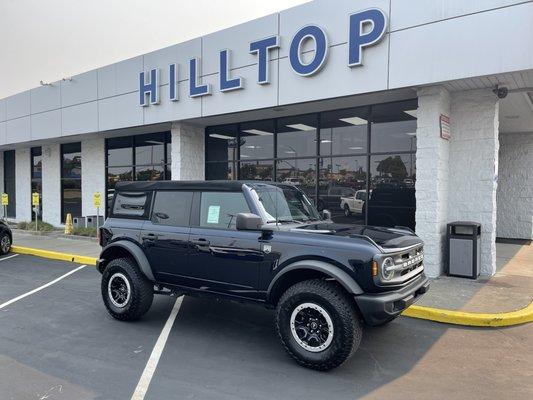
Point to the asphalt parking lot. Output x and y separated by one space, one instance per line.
60 343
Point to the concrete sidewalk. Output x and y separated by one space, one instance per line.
509 290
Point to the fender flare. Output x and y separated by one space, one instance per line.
137 254
335 272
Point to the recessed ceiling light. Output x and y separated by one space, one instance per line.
219 136
290 152
356 148
410 133
155 142
258 132
301 127
355 121
244 156
253 147
325 141
412 113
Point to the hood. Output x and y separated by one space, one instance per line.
387 238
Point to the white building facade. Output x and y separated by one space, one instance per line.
422 111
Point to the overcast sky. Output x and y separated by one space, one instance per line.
51 39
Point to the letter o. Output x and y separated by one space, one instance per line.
318 35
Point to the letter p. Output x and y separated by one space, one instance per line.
359 39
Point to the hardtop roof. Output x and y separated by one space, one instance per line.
215 186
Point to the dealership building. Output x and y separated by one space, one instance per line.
387 112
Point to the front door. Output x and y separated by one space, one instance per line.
166 239
231 259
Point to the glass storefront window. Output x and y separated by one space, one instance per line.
36 176
394 127
257 140
392 197
297 136
70 180
141 157
344 131
341 179
382 136
221 143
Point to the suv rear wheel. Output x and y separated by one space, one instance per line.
127 294
5 243
318 324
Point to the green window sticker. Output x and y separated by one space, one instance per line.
213 214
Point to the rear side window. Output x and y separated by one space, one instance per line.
131 205
172 208
220 209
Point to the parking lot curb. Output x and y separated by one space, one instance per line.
517 317
494 320
54 255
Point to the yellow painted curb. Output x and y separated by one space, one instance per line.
54 255
518 317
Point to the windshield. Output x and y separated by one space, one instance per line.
286 204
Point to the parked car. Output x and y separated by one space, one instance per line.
6 238
330 196
354 203
263 243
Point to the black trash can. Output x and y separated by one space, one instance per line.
464 249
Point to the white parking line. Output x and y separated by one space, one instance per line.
151 365
8 257
7 303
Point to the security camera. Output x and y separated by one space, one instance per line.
501 92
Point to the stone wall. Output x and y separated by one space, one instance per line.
515 186
93 174
188 152
23 183
52 184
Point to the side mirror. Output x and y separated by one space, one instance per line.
248 222
326 214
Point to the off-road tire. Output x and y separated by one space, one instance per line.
142 290
347 327
4 249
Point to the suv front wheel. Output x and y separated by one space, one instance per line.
318 324
127 294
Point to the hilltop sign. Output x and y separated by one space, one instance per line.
366 28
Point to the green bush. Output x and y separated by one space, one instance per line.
41 226
90 232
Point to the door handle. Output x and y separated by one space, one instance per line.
200 242
149 237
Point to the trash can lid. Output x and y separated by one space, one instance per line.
464 223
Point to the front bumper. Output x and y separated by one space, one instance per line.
380 308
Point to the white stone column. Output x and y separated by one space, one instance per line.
188 152
92 174
51 172
432 176
473 166
23 184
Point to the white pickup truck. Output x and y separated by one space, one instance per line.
354 204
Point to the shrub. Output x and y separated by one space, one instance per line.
41 226
90 232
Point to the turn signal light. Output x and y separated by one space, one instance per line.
374 268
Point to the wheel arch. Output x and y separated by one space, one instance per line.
309 269
125 248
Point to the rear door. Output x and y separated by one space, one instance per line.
231 258
165 238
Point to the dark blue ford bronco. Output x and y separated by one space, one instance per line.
260 242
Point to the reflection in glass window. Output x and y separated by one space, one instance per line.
219 210
150 173
172 208
150 149
344 131
340 179
257 140
300 173
36 176
220 171
119 151
257 170
297 136
221 144
394 127
392 198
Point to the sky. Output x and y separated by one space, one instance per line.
53 39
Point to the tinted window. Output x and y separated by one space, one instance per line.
219 210
172 208
131 204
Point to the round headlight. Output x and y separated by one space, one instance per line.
386 269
